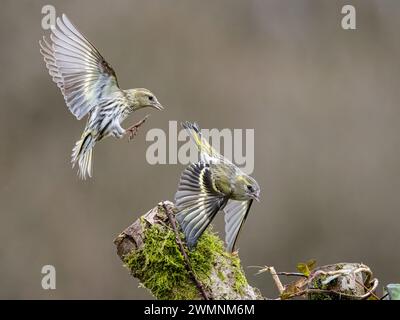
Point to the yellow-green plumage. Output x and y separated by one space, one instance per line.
210 185
90 87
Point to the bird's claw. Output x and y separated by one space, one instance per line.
235 253
132 133
134 128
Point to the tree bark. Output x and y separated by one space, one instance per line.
149 249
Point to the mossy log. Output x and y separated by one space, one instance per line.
339 281
150 251
342 281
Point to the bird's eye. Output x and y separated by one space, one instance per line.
151 98
250 188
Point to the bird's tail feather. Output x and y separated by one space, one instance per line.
202 144
82 154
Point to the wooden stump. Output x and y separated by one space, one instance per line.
149 249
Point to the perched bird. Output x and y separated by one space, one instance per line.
208 186
90 87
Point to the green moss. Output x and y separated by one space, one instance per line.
221 275
160 265
317 283
240 279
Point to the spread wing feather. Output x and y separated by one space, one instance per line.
235 215
197 201
77 68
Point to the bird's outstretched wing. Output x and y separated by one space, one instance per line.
77 68
197 201
235 215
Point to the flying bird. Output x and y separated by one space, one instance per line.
209 186
90 87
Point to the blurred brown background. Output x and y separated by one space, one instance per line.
323 102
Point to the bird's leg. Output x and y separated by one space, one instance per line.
134 128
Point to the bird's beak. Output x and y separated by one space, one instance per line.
158 106
256 196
